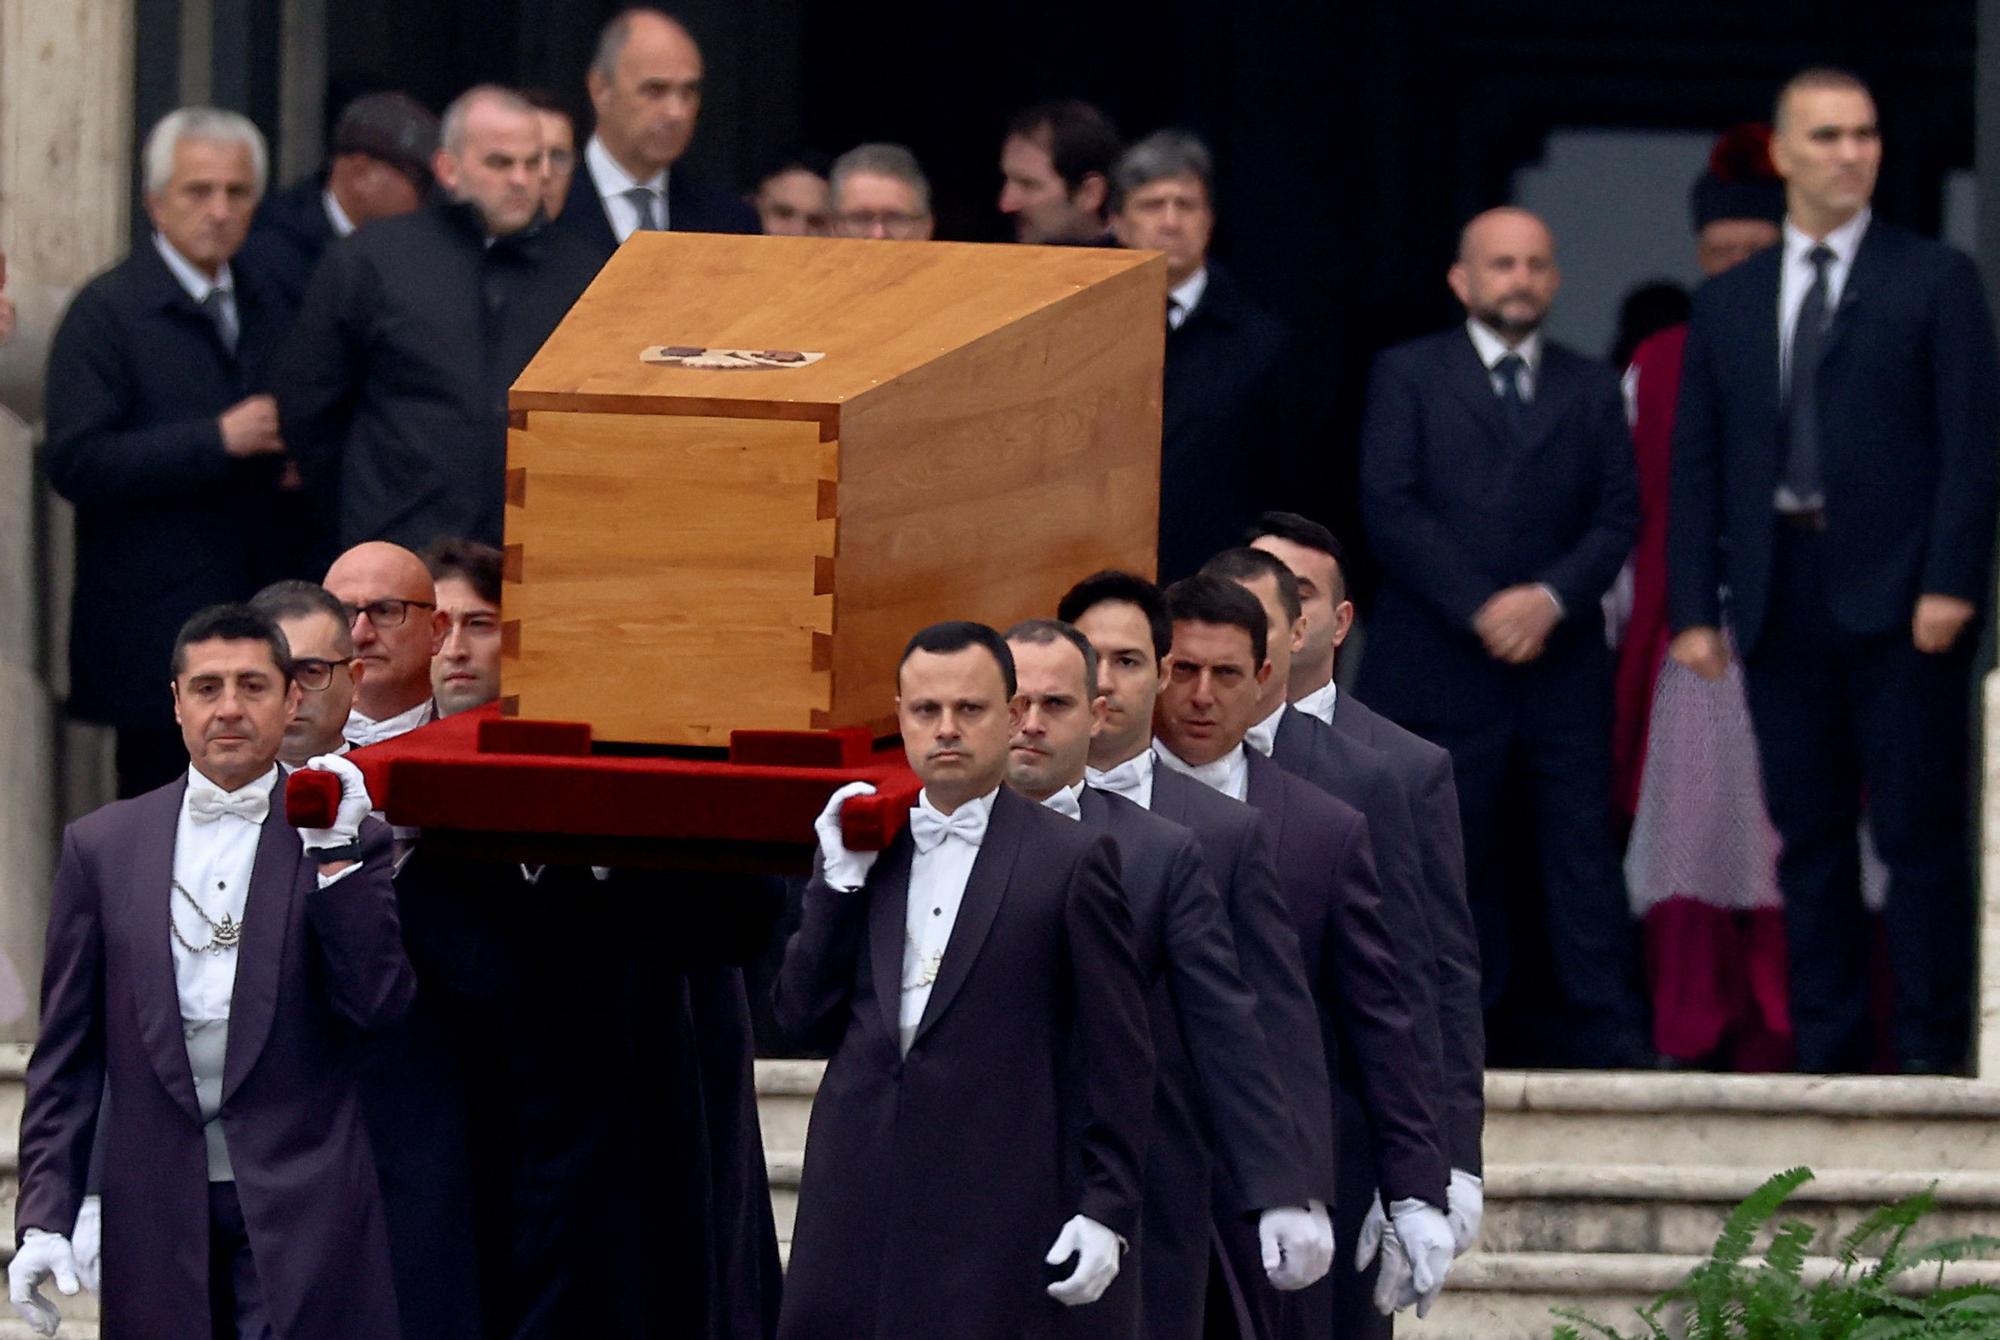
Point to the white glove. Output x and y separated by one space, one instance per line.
1467 1196
1297 1243
42 1254
354 804
1426 1237
844 869
87 1241
1096 1249
1392 1285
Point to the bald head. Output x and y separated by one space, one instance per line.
392 607
645 86
1506 274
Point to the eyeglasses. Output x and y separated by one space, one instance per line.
858 222
314 673
384 613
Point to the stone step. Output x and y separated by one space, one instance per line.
1509 1296
1755 1122
1649 1210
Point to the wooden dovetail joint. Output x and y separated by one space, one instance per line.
510 706
822 651
510 637
517 418
517 486
822 575
510 563
829 498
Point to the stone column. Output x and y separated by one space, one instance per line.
65 163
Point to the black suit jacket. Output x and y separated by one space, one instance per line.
393 383
694 205
934 1182
167 522
1909 419
1327 871
287 238
1456 511
1425 772
1238 851
1216 1079
1227 425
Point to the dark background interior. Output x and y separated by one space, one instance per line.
1352 139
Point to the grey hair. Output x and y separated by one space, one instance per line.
1162 154
210 124
880 160
451 127
611 39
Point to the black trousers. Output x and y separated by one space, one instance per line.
235 1298
1842 718
1552 761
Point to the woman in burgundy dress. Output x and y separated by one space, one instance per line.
1702 862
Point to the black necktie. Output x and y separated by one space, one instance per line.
217 305
644 201
1802 401
1512 406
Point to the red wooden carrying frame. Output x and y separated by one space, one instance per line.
485 785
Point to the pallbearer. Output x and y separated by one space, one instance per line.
976 1145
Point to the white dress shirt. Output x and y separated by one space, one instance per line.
199 285
362 729
1132 779
613 181
1066 801
1795 280
1263 737
1320 702
1491 349
1229 774
937 886
335 215
1183 297
212 863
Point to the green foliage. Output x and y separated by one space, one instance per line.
1733 1296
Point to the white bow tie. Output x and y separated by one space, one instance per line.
928 828
1125 780
1064 802
206 805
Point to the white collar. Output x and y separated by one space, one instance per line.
613 180
1186 295
335 215
984 803
1320 702
1066 800
1263 737
1492 348
189 275
1134 774
362 729
1843 241
1229 774
197 782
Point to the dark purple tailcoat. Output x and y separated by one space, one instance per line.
934 1182
316 967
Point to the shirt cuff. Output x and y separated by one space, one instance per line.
1562 611
325 880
